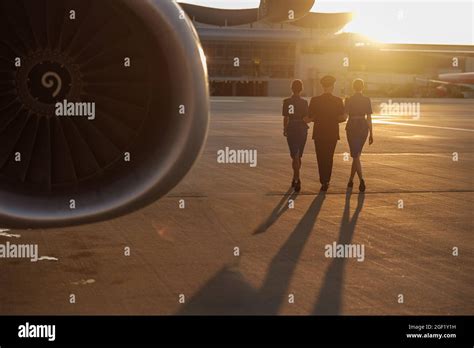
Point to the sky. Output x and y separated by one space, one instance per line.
402 21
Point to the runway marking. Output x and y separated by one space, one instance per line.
406 154
47 258
356 193
315 193
4 233
188 195
424 154
422 126
84 282
227 101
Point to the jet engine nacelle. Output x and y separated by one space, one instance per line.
103 107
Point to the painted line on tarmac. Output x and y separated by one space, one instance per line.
422 126
313 193
356 192
227 101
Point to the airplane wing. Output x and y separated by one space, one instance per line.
275 11
461 78
463 86
220 17
335 21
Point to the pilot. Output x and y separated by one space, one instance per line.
326 111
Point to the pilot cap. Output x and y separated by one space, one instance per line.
328 81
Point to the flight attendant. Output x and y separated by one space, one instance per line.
359 126
326 111
295 129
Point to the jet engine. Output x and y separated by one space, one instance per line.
104 107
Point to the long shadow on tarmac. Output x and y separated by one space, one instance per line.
329 301
279 210
229 293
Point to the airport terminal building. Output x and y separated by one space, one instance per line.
260 59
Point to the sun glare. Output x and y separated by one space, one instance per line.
414 22
390 21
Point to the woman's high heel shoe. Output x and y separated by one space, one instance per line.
362 186
298 186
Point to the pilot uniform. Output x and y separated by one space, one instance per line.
326 111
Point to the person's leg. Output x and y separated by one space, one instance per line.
291 138
302 136
320 159
358 167
325 149
361 178
296 167
350 140
331 148
353 170
363 139
297 180
324 163
301 146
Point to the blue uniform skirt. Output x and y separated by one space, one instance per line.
357 132
297 133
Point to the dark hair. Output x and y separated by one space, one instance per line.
358 85
297 86
328 81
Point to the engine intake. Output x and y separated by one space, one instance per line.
103 107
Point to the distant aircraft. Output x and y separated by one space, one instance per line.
451 83
296 12
466 79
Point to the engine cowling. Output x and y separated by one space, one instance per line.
104 107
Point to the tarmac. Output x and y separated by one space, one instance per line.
234 239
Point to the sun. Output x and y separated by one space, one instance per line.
414 22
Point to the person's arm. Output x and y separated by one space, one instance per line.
286 117
347 107
369 122
286 120
371 134
311 117
306 117
341 118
